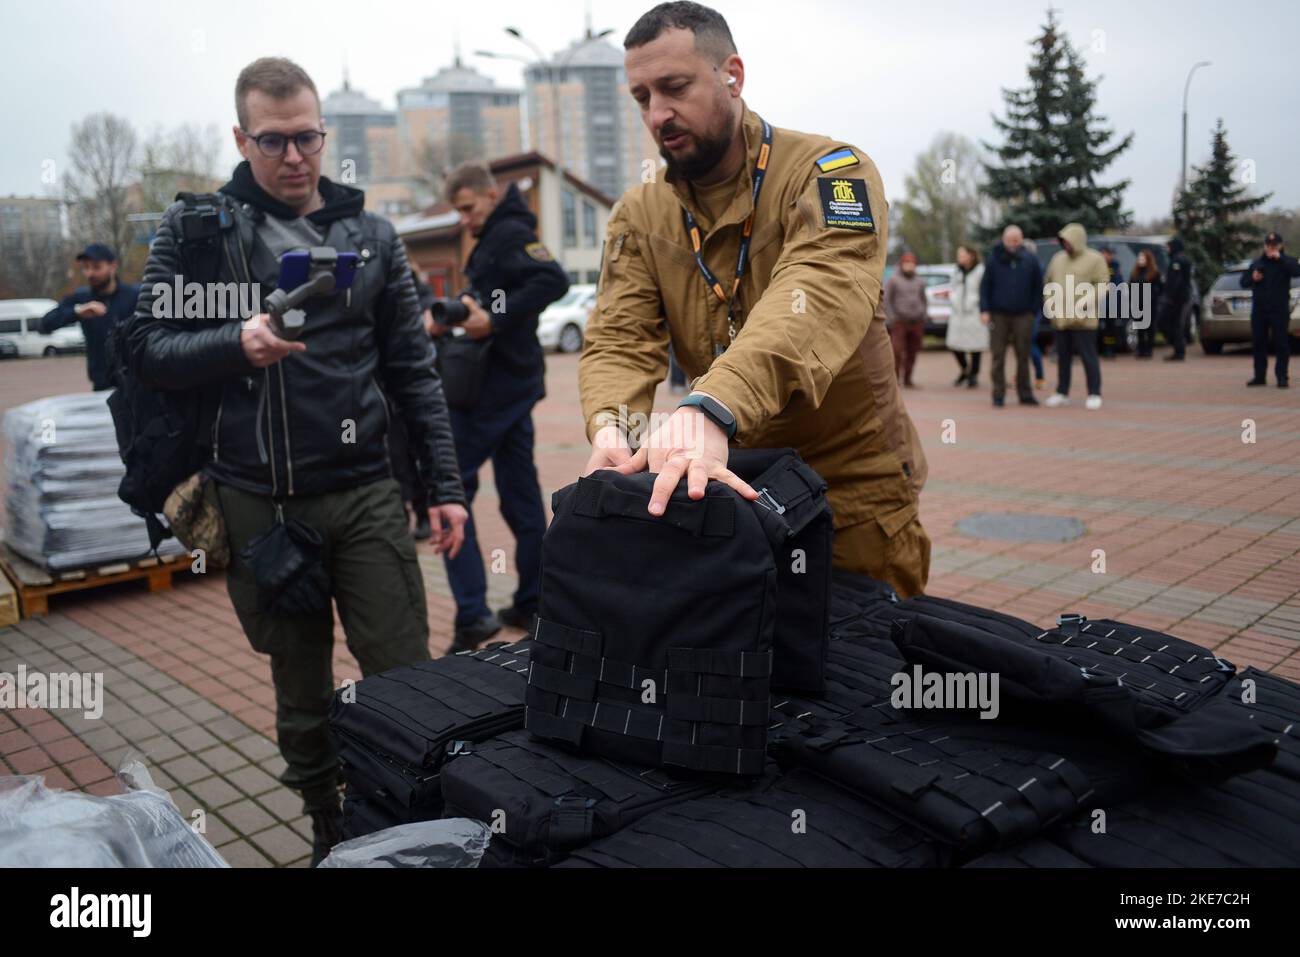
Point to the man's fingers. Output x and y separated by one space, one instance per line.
697 477
730 478
665 483
635 463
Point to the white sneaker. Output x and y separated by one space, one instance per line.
1093 403
1056 400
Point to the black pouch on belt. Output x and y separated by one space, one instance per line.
288 565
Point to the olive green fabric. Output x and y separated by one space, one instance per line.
379 592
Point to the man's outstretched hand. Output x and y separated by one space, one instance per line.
689 443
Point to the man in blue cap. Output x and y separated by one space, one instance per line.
97 306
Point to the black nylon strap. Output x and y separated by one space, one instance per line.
577 640
712 516
713 759
561 682
717 710
570 824
553 726
711 661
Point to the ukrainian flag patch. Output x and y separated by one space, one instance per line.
837 160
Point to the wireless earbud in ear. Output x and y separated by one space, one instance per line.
731 81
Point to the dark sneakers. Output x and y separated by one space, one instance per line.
998 402
469 637
1256 382
1175 358
326 824
1029 400
1284 383
513 617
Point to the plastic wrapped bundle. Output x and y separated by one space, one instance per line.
61 508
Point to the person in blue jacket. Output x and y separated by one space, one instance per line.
98 306
1269 279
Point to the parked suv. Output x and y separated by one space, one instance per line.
1226 316
20 323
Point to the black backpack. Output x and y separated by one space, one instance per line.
165 437
654 635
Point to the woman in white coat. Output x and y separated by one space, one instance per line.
967 336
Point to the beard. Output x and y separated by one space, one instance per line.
710 147
101 286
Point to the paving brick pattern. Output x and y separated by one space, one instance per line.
1189 529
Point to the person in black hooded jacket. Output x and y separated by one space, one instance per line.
512 279
298 437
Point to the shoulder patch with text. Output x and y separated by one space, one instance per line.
845 204
539 252
839 159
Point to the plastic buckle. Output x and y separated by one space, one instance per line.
1070 620
456 748
775 506
1227 666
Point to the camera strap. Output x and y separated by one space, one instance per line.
742 258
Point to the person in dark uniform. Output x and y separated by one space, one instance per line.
98 306
512 278
1269 279
1110 328
1177 295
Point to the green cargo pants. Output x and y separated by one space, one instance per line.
377 586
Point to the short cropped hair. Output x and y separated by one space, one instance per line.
475 176
712 35
273 75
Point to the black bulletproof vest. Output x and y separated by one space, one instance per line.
551 801
800 820
1121 683
800 526
654 635
394 738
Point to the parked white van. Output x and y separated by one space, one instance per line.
20 323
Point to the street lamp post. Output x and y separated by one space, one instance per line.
1182 176
553 82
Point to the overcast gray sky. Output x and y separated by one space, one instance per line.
885 76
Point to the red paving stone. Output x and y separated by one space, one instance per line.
1168 436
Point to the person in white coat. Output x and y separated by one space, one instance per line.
968 336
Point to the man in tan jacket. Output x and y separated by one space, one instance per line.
776 319
1075 290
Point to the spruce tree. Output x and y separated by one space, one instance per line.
1210 214
1056 146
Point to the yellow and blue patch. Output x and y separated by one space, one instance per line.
837 160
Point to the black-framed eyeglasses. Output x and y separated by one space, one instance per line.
309 142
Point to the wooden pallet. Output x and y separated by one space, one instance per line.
34 585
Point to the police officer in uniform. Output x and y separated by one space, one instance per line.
1269 278
1175 300
512 279
758 254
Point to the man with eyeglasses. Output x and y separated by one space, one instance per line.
299 429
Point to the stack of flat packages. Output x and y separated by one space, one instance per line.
1182 761
62 470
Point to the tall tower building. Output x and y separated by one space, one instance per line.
362 150
454 116
578 111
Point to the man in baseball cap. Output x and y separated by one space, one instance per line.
98 306
1269 278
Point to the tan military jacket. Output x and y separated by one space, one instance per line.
812 366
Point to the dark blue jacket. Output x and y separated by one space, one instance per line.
515 279
1011 283
97 330
1271 296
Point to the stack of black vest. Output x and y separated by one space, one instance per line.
703 690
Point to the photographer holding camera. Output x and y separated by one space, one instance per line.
295 462
492 364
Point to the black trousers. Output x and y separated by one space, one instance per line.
1260 329
1171 324
974 370
1083 342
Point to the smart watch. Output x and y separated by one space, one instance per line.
714 410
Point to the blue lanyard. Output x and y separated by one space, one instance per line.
742 259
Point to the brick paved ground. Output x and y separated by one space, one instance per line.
1200 533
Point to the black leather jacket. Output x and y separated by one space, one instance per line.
316 421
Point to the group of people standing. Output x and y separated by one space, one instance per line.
1003 301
